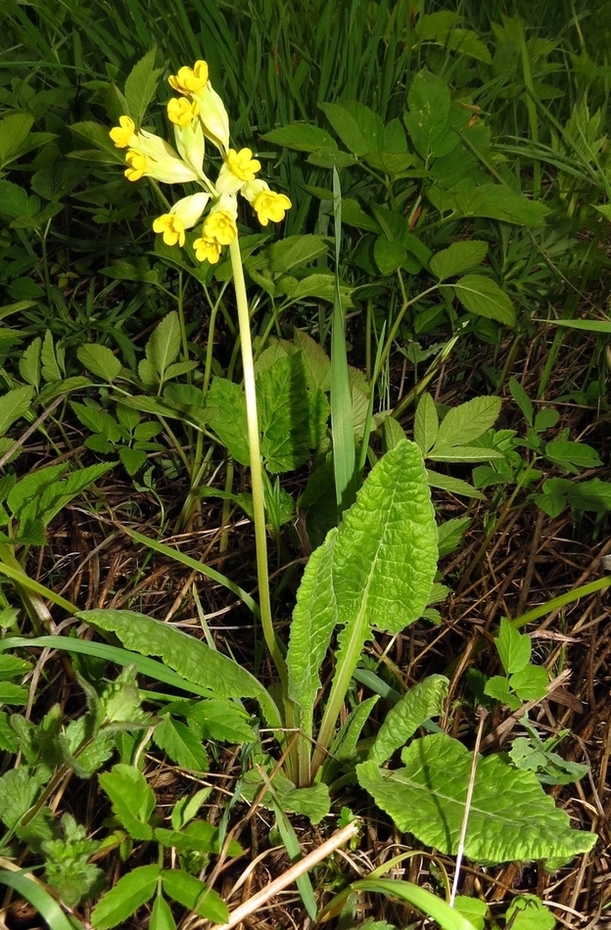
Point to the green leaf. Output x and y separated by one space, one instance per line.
13 405
510 818
530 683
66 867
388 255
287 254
195 895
459 257
527 912
161 915
495 201
428 120
301 136
36 894
316 362
99 360
498 689
8 740
130 893
514 648
346 580
447 917
522 400
12 694
14 129
164 345
141 85
13 199
190 657
360 129
468 421
421 702
132 799
450 534
484 297
222 720
29 363
454 485
464 454
226 410
50 357
181 744
426 425
574 456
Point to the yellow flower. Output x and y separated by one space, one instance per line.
271 206
190 80
207 250
137 165
242 164
181 111
220 226
123 134
172 228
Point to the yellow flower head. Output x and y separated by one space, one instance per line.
172 228
207 250
242 164
220 226
122 135
181 111
136 165
190 80
271 206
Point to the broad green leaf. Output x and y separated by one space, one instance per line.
226 411
99 360
354 215
499 689
316 362
141 85
388 255
473 909
12 694
468 421
293 419
14 129
33 485
222 720
346 580
426 425
195 895
287 254
514 648
450 534
164 344
13 199
29 363
50 358
360 129
12 667
459 257
421 702
510 818
319 285
161 915
527 912
181 744
188 656
428 119
301 136
132 799
454 485
574 456
13 405
530 683
495 201
131 892
55 497
8 740
484 297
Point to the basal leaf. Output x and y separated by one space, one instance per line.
188 656
421 702
131 892
459 257
462 424
289 253
484 297
510 818
316 362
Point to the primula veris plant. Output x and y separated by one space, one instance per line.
198 116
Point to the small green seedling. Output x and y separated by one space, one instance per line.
522 681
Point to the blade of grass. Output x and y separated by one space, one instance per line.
26 885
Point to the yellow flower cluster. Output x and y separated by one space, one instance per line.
198 115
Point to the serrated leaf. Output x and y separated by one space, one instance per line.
428 119
464 454
99 360
222 720
346 580
498 202
421 702
190 657
49 358
164 345
13 405
426 425
301 136
29 363
450 534
498 689
530 683
161 915
132 798
316 362
141 85
12 694
453 485
484 297
181 744
388 255
287 254
8 740
14 129
195 895
360 129
459 257
226 411
131 892
514 648
468 421
574 456
510 818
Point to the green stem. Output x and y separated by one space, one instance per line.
256 469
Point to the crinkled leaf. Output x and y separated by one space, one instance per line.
131 892
510 818
421 702
188 656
